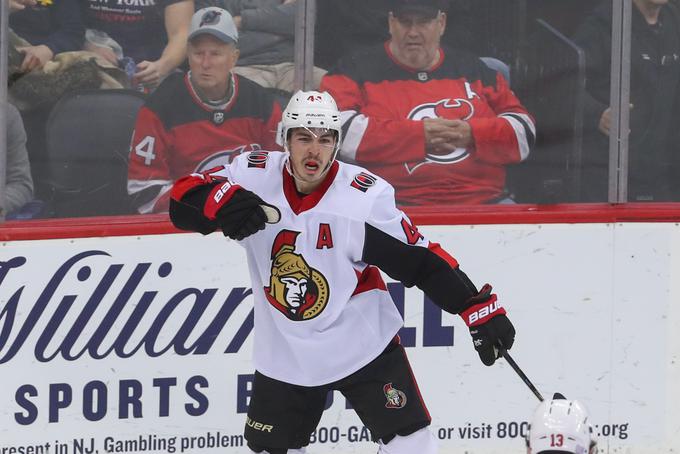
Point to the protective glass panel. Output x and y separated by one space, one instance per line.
526 123
86 75
555 62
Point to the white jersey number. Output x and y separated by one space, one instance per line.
144 149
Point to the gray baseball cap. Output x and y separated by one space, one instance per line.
214 21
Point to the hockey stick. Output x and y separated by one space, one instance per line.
521 374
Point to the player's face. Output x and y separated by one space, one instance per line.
211 61
311 149
415 38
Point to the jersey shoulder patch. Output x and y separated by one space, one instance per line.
362 181
257 159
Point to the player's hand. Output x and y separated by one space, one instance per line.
242 216
491 330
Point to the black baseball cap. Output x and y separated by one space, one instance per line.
427 8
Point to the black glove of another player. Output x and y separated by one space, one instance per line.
490 328
242 215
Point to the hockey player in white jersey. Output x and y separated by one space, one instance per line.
561 426
324 319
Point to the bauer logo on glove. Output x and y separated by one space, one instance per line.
490 328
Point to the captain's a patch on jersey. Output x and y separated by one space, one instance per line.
258 159
362 181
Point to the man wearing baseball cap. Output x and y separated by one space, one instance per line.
436 122
426 8
201 119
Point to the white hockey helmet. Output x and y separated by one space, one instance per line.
311 109
560 425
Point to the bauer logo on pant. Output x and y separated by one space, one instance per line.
297 290
395 398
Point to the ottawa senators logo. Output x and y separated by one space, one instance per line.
395 398
297 290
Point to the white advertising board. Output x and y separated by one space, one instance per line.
142 344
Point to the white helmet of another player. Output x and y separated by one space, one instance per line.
561 426
311 109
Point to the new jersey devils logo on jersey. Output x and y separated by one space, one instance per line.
224 157
297 290
450 109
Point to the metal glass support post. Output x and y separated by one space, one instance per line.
620 101
4 26
305 20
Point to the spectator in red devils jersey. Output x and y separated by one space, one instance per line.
324 319
435 122
196 121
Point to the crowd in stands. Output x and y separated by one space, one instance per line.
420 107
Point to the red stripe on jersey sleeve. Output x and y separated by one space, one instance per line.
437 249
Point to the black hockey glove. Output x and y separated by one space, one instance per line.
242 215
490 328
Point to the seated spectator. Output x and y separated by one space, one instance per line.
654 153
40 29
200 120
151 34
267 42
435 122
67 71
347 25
18 189
561 426
48 27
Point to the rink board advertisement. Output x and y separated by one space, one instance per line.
142 344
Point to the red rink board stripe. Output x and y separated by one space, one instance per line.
460 215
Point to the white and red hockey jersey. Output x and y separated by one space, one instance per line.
384 103
322 310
